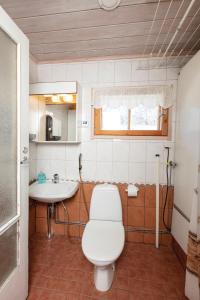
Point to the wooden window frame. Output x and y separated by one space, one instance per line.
163 120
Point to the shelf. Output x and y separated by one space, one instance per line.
56 142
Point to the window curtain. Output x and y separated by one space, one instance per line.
192 282
150 96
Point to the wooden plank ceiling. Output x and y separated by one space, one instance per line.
70 30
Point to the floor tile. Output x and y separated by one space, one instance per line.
59 271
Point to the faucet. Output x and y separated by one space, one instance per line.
55 178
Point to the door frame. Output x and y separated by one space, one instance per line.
16 285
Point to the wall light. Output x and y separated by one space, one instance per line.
68 98
55 98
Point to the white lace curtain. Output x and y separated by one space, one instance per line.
151 96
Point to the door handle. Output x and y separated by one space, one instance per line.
24 160
25 150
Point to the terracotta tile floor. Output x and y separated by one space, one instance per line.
59 271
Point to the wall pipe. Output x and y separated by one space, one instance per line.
157 198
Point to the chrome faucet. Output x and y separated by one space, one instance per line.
55 178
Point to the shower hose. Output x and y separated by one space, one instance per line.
168 177
83 196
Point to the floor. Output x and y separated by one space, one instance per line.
59 271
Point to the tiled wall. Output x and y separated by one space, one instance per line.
138 214
112 160
126 160
103 160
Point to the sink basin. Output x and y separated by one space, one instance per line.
50 192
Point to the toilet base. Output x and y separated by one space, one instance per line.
103 277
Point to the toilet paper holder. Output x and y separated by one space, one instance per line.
132 190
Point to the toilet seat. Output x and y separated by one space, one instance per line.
103 241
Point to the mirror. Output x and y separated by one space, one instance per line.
55 117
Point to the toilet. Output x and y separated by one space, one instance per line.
103 238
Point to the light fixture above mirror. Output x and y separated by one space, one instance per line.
60 98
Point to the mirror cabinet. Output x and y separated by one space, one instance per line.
55 112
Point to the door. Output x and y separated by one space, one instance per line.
186 149
14 82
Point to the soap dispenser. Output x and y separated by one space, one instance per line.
41 178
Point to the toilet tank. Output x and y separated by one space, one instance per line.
106 203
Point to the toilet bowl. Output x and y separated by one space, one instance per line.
103 237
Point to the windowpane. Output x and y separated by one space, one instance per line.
114 118
8 252
8 128
144 118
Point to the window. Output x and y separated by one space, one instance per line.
130 114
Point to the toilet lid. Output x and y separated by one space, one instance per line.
103 240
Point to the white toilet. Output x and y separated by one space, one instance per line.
103 238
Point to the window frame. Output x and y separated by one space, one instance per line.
162 132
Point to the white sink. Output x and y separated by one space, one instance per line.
50 192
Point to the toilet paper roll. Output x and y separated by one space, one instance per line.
132 190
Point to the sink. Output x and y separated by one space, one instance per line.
50 192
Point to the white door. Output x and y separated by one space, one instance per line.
187 148
14 82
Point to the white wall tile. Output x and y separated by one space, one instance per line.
107 159
72 152
104 172
139 74
137 151
58 152
90 72
75 72
45 73
86 134
89 150
106 72
121 151
44 166
151 173
172 73
58 167
89 170
120 172
137 172
157 74
44 151
122 71
59 72
104 151
33 150
72 172
154 148
32 169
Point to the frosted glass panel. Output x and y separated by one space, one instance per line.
8 252
8 128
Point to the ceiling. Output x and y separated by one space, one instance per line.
71 30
